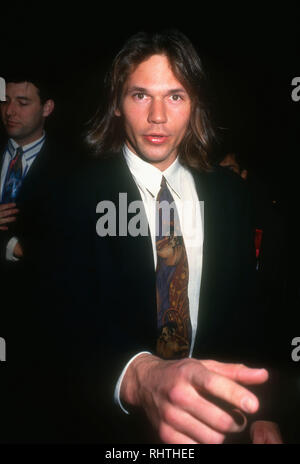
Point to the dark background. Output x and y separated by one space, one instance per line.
250 54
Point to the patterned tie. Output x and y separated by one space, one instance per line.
13 178
172 275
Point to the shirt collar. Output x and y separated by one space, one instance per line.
29 150
149 177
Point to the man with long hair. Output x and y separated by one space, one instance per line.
137 311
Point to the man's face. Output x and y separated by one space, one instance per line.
156 109
230 162
22 113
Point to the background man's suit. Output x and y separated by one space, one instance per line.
31 189
19 286
14 280
96 305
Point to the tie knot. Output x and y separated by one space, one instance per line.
16 162
19 152
164 193
163 183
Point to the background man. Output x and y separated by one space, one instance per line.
23 115
275 252
270 224
28 159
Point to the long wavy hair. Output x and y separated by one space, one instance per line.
107 133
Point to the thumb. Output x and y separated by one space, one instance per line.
265 433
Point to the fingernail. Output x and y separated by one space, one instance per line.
248 404
260 371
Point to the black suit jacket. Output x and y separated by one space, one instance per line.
98 300
16 278
33 186
19 285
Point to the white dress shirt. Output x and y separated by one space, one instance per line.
30 153
190 211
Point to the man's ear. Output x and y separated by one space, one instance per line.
117 112
48 107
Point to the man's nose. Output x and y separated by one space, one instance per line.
157 112
10 109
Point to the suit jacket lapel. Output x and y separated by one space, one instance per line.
134 253
215 247
203 195
124 192
35 173
2 153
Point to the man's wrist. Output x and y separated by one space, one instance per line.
120 380
135 377
10 247
18 252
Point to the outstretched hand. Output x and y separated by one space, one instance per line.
190 401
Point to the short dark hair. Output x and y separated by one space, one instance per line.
107 130
44 88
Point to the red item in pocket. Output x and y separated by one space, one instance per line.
258 239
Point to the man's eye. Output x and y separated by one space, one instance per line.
176 97
139 96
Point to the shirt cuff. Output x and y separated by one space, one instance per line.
118 386
10 249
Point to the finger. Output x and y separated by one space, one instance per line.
176 420
238 372
225 389
8 212
168 435
3 228
219 417
5 206
7 220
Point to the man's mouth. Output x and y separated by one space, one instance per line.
12 123
157 139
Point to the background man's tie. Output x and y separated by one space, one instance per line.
13 178
172 275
